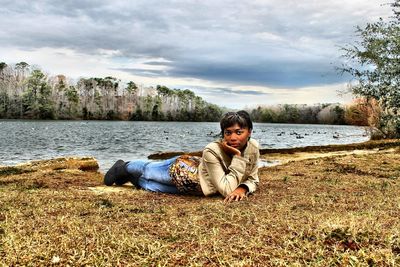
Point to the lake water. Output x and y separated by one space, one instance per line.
107 141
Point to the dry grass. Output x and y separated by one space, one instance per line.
340 210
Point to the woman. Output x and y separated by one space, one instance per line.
228 167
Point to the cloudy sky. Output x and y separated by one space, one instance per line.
233 53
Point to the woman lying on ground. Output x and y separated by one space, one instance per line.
228 166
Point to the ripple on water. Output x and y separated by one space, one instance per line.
101 148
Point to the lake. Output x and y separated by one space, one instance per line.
107 141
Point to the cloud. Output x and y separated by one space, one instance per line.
266 70
143 72
254 96
226 91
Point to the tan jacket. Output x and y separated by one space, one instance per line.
220 173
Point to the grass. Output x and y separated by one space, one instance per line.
335 211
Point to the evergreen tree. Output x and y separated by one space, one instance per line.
37 98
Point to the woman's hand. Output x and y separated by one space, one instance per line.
237 195
230 150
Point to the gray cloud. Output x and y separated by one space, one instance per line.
259 72
219 91
144 72
270 43
229 97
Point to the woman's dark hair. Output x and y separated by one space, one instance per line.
242 118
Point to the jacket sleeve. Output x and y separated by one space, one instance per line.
224 182
252 180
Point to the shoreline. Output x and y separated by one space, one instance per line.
268 157
368 145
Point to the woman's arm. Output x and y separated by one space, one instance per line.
252 179
247 186
238 194
224 182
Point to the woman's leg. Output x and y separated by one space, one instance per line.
151 185
153 175
136 167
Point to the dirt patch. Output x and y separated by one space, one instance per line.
101 189
283 158
59 173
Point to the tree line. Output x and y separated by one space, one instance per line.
28 93
355 113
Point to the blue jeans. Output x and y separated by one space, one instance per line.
153 175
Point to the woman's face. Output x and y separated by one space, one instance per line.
237 137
